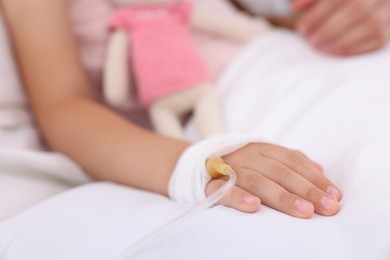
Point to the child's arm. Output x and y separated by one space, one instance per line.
104 144
110 148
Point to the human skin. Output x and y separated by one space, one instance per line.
110 148
344 27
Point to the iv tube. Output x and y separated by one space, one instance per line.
216 168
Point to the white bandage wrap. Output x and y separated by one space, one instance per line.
189 179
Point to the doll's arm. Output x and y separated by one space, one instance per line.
116 72
226 25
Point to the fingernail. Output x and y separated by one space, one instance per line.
333 192
328 204
251 199
303 206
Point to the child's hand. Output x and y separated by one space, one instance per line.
347 27
283 179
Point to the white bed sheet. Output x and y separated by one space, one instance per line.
335 110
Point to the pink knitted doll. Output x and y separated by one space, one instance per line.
170 76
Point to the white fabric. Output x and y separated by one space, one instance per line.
189 179
335 110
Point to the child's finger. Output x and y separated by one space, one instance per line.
275 196
315 16
237 198
300 164
317 165
274 172
300 5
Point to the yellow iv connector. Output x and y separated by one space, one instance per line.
217 167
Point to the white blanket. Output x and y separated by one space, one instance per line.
335 110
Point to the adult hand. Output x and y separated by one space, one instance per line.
344 27
283 179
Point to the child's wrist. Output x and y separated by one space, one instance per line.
189 179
